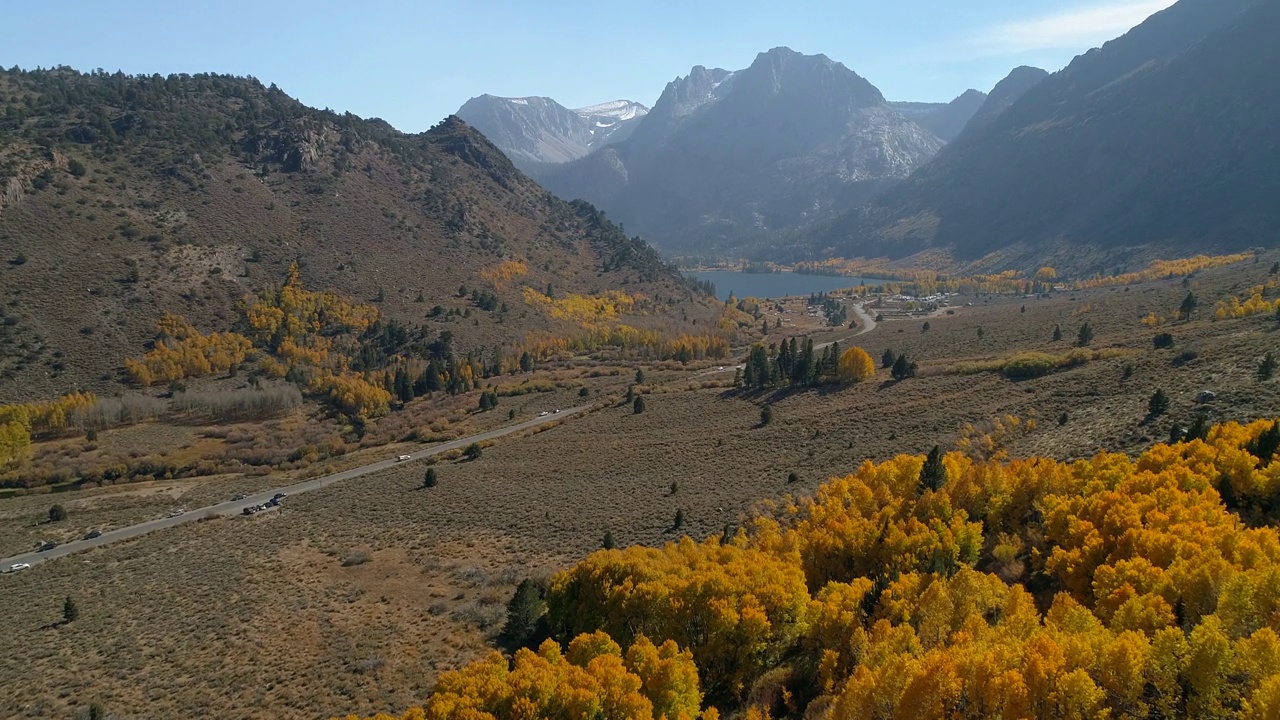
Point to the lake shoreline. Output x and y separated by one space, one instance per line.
772 285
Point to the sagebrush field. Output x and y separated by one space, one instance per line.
357 597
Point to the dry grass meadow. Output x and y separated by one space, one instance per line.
353 598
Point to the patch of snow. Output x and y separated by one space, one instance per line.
517 101
618 109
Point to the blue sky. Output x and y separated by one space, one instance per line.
412 63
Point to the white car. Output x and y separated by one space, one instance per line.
19 566
544 413
402 458
176 513
557 409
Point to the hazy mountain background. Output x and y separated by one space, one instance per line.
727 159
945 120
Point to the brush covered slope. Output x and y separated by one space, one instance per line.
1161 143
125 198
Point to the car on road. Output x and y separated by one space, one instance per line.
93 534
238 496
176 512
250 510
544 413
557 409
281 496
47 545
402 458
19 566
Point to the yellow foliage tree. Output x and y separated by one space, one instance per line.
856 365
15 440
592 680
181 352
1162 602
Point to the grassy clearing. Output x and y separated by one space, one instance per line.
1031 365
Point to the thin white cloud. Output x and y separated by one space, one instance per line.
1079 28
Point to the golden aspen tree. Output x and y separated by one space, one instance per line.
856 365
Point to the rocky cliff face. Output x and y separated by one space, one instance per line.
23 170
729 159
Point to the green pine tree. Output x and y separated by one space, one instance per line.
933 474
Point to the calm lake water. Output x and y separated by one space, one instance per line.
772 285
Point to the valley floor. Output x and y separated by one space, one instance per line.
354 597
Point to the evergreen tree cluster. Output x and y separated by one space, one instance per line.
836 312
791 364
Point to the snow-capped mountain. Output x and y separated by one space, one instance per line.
612 122
539 130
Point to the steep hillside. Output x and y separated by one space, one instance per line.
127 197
727 159
945 120
540 130
1005 93
1161 142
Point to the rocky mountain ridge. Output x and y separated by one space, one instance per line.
534 130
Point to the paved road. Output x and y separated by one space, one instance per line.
237 507
868 324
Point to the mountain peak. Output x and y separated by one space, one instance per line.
533 130
783 71
726 158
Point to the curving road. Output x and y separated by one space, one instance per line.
868 322
237 507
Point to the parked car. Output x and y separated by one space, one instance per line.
281 496
176 512
238 496
93 534
19 566
47 545
402 458
250 510
544 413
